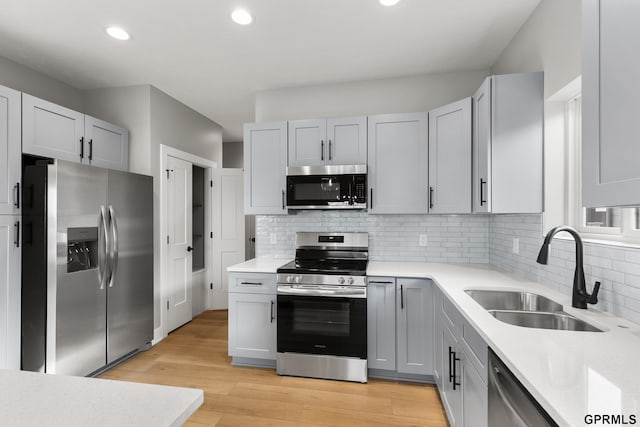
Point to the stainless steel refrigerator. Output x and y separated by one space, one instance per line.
87 262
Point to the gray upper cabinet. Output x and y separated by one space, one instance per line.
450 158
265 163
51 130
398 163
610 108
328 141
10 151
508 116
347 141
307 142
106 145
381 323
414 303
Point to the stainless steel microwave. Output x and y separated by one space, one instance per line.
327 187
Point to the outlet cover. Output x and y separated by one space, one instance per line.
272 238
516 245
422 239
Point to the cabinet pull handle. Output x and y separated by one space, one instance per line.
430 197
90 149
451 377
16 203
17 241
401 297
455 373
330 156
322 150
252 283
272 315
371 197
482 200
82 147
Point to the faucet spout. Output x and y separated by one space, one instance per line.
580 296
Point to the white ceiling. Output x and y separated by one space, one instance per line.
194 52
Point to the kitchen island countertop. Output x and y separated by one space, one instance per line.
36 399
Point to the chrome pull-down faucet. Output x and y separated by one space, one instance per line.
580 296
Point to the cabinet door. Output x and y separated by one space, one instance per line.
451 392
252 326
10 151
450 158
10 287
610 108
438 367
381 323
414 311
265 164
474 397
308 142
347 141
51 130
482 147
398 163
107 145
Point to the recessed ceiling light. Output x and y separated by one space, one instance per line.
388 2
118 33
242 17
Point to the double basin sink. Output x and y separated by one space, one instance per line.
527 309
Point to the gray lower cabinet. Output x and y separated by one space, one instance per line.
265 166
399 325
252 316
461 364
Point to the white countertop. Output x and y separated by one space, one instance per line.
35 399
259 265
571 374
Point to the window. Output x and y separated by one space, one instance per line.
610 223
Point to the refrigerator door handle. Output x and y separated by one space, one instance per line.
114 245
103 255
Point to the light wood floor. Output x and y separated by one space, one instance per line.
196 356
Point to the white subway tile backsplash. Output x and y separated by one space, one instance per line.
471 239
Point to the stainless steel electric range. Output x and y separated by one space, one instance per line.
322 308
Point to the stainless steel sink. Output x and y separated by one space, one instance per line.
530 319
527 309
513 300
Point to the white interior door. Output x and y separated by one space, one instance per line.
179 228
228 230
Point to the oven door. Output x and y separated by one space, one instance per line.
326 325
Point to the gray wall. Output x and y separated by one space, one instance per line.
399 95
232 155
550 41
24 79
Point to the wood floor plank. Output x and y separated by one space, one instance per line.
195 355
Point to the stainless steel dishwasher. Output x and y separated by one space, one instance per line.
510 404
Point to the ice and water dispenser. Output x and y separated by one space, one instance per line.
82 249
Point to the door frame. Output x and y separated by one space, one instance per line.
166 152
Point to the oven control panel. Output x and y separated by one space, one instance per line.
321 279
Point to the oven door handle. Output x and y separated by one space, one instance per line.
323 291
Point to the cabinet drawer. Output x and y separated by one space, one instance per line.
252 283
475 348
451 315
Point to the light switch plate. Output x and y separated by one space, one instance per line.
422 239
516 245
272 238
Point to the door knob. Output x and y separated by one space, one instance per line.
189 248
